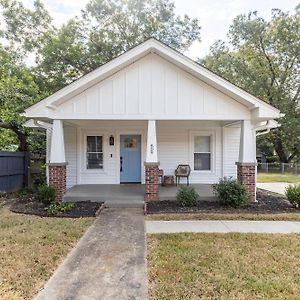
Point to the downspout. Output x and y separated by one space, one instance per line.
263 132
264 129
44 126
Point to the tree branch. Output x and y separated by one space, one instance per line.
23 145
273 79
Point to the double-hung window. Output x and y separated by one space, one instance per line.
202 153
94 152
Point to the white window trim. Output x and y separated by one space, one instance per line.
212 135
84 168
97 152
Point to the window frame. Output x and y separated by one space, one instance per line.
97 152
83 156
212 135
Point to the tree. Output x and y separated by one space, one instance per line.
17 91
105 30
263 57
62 54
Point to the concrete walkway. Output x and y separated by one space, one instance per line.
108 262
275 187
223 226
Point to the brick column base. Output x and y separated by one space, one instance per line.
246 175
57 179
152 181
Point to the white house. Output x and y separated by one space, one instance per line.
151 108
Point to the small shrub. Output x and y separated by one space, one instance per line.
39 181
187 196
46 194
25 192
230 192
55 208
292 193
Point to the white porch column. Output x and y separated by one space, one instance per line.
151 164
57 165
246 166
247 152
57 152
151 156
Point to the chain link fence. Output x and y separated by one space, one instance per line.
293 168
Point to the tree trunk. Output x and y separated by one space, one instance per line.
280 151
17 129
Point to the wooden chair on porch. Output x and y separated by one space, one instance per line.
182 171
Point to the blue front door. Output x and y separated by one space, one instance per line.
130 158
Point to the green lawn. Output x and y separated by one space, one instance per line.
224 266
31 248
278 177
226 216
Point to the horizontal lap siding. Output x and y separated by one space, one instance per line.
70 135
111 155
174 148
107 175
231 150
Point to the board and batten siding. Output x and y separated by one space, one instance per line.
152 88
175 147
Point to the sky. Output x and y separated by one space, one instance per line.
215 15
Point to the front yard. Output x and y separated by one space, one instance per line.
225 216
224 266
278 177
270 206
31 248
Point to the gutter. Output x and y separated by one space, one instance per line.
44 125
264 129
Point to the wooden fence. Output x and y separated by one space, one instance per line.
14 170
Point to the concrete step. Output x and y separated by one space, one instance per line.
124 204
113 203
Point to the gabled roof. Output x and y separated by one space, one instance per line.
154 46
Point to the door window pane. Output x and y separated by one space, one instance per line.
130 143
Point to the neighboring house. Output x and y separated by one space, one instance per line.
151 108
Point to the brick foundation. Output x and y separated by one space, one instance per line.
246 175
152 181
57 178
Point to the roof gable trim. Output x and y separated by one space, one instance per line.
129 57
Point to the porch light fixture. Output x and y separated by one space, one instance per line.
111 140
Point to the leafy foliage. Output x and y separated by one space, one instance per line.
60 55
187 196
263 57
46 194
230 192
55 208
107 29
18 90
292 193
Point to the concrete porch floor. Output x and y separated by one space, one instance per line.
127 195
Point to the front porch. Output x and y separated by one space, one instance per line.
128 195
84 155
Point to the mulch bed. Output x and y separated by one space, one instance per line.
267 203
27 205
